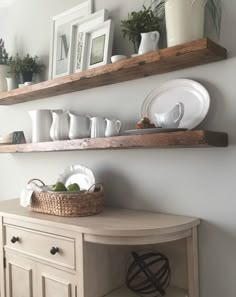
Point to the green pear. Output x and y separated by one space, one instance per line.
73 188
59 187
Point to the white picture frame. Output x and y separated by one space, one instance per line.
98 45
61 38
78 33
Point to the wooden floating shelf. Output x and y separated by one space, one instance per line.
170 292
197 138
190 54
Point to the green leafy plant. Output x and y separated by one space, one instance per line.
213 8
26 66
140 22
14 65
3 53
31 64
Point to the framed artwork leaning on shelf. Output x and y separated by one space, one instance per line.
98 45
78 35
61 37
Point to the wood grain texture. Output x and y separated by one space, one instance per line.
190 54
196 138
112 222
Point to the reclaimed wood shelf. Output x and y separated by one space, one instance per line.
190 54
196 138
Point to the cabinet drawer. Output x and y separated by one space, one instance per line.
55 249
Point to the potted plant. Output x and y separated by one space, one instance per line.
3 66
30 66
185 18
14 64
143 21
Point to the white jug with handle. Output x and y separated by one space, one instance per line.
60 126
98 127
41 124
79 126
149 42
112 127
172 118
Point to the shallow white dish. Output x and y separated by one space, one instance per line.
79 174
118 58
193 95
152 131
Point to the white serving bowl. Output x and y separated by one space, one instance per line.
118 58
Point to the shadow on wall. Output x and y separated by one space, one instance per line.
120 191
219 117
217 267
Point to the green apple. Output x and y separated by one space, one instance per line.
73 188
59 187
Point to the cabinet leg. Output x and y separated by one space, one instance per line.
192 254
2 264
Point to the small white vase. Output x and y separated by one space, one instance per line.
11 83
3 75
184 20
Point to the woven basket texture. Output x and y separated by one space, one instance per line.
69 204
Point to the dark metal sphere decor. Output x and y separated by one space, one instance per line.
148 274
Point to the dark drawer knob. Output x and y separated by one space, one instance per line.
14 239
54 250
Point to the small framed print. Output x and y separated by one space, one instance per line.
97 52
78 33
61 38
98 44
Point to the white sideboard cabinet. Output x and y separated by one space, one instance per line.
49 256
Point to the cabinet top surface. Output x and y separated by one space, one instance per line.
112 222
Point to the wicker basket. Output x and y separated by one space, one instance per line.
65 204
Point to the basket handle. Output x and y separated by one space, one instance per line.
36 179
94 185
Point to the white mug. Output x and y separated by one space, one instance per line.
112 127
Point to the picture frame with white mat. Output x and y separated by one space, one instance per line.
98 45
78 34
61 37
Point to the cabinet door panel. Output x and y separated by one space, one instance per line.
19 277
55 283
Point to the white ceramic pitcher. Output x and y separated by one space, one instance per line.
79 126
41 124
172 118
60 125
98 127
149 42
112 127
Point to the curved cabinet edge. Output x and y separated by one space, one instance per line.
137 240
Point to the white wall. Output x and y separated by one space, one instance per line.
196 182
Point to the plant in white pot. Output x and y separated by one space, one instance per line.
30 66
185 19
141 24
14 64
3 66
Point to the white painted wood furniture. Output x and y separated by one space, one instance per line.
48 256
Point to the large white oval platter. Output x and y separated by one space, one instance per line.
192 94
